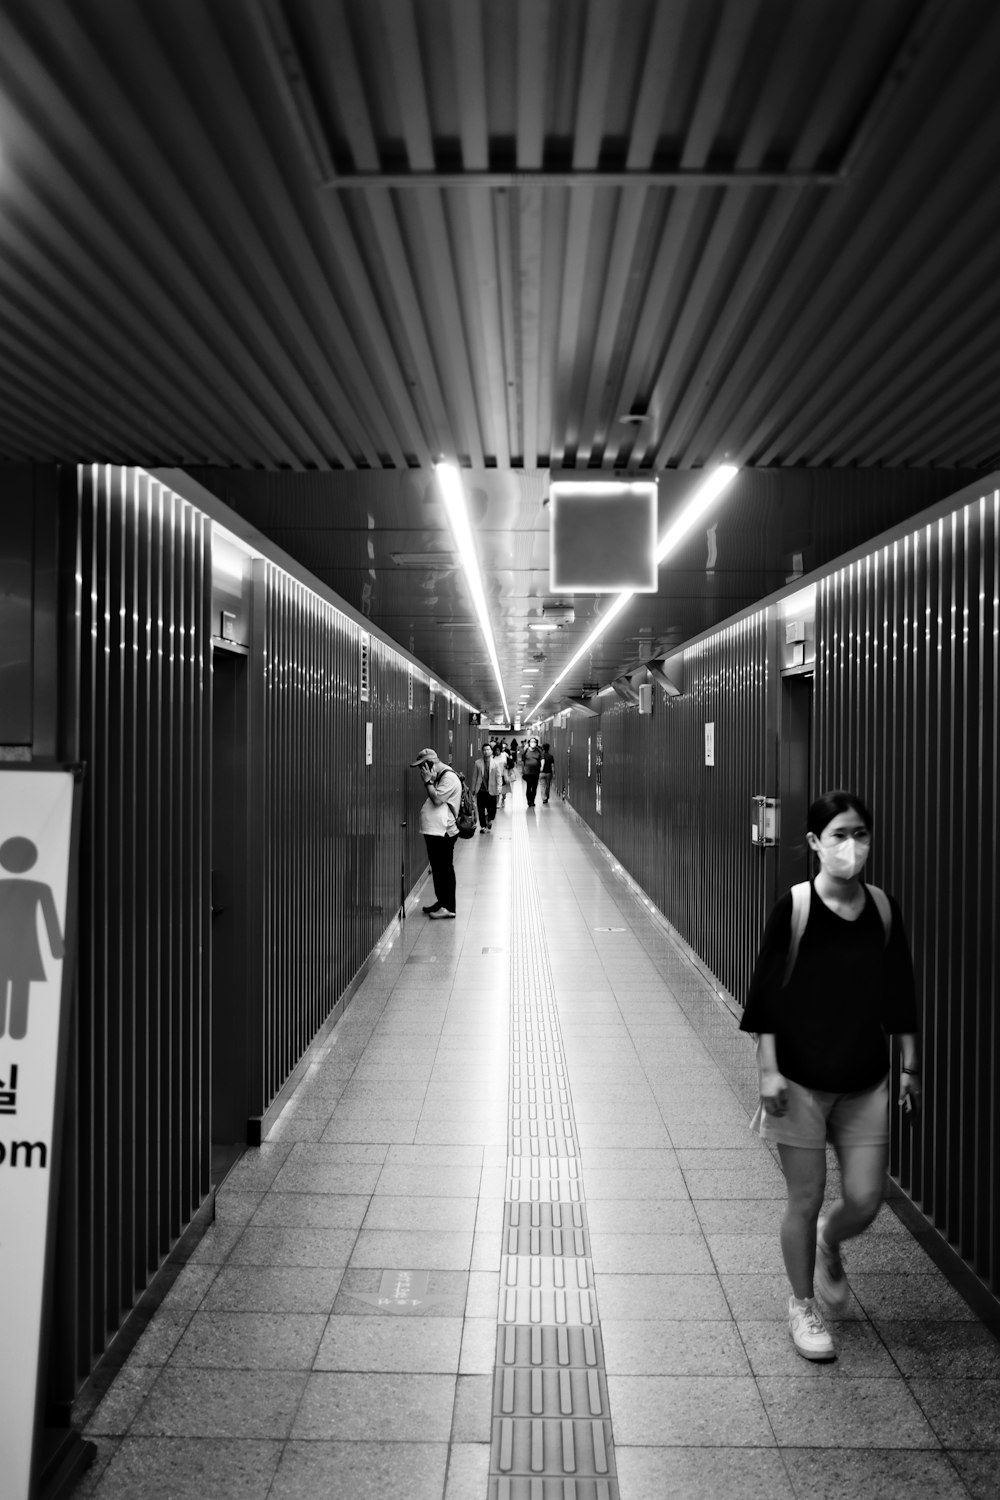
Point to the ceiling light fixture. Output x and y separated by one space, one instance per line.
717 481
453 495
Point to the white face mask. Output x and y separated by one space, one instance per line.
844 859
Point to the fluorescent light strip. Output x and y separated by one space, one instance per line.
713 486
454 500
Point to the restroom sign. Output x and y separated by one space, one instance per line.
38 820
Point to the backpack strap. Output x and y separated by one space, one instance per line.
884 909
801 899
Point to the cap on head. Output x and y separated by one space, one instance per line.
424 756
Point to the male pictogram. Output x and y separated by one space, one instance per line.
20 953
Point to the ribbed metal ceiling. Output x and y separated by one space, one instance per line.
339 236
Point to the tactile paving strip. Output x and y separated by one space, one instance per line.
552 1435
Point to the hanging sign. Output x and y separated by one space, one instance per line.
38 815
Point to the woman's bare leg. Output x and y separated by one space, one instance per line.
862 1177
805 1175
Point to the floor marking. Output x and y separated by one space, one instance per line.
551 1419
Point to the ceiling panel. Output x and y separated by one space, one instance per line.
331 240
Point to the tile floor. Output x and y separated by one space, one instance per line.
335 1332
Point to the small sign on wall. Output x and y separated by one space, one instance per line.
368 744
710 744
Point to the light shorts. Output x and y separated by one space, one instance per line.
814 1117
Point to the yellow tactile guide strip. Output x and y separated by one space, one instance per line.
551 1424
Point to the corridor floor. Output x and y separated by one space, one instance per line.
512 1237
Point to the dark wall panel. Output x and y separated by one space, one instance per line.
906 709
681 827
140 1164
330 855
333 844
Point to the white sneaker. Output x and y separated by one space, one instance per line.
831 1283
809 1333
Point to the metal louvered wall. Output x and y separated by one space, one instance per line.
906 710
140 1163
905 714
328 857
680 827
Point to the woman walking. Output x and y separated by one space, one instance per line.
833 979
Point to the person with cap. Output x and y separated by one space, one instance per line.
439 826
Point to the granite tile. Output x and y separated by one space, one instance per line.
980 1472
447 1292
309 1176
652 1254
902 1297
383 1408
273 1245
441 1250
387 1130
836 1413
681 1473
161 1336
468 1471
891 1474
423 1345
360 1470
190 1286
454 1214
283 1289
479 1347
216 1245
963 1413
641 1216
641 1346
688 1411
946 1351
186 1402
661 1297
443 1181
152 1468
122 1400
311 1211
250 1341
473 1415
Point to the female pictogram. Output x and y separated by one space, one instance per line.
20 953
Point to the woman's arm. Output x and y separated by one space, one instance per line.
909 1076
772 1085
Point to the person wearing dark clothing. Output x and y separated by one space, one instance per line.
438 815
822 1012
531 769
548 767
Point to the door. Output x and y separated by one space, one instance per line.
229 863
795 784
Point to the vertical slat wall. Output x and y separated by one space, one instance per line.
329 853
329 856
681 828
906 713
142 1154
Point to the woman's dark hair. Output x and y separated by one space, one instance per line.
830 805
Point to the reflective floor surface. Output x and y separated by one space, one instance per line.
513 1237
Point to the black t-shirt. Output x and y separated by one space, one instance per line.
849 988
